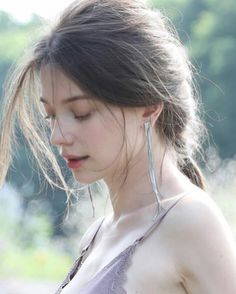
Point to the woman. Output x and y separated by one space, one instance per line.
116 86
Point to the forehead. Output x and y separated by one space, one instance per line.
55 85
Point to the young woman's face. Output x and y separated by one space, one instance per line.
82 127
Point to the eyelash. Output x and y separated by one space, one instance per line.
80 118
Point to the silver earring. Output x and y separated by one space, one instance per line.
91 200
151 168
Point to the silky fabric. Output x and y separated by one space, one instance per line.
111 278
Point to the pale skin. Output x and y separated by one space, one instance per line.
192 251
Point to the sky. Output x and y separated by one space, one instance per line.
22 9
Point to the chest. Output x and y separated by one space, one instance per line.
150 269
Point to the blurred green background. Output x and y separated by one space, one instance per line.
36 241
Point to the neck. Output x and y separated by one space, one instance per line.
136 191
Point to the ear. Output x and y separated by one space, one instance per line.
152 112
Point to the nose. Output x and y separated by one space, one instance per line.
59 135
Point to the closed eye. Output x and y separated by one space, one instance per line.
78 117
82 117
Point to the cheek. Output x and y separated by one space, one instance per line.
104 136
134 135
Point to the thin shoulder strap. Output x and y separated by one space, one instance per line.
91 239
79 260
160 217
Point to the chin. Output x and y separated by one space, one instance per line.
86 179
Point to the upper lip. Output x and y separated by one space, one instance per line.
70 156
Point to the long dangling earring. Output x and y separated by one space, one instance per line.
91 199
151 168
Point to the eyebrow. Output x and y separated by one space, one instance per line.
68 100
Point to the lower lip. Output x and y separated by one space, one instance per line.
73 164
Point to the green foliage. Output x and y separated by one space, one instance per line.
6 22
15 37
15 42
207 28
26 251
42 264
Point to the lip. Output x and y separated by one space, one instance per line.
75 163
71 156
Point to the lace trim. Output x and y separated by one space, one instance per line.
120 275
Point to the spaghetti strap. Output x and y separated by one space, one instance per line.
93 236
122 260
159 218
79 260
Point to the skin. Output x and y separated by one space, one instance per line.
192 251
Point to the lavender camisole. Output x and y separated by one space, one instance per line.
111 278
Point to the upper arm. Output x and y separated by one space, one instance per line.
205 248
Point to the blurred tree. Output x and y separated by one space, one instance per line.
207 28
6 21
214 36
23 174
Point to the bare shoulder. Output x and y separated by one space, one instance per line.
203 245
197 213
89 233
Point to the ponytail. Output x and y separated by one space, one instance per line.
193 172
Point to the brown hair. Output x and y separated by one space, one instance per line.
124 54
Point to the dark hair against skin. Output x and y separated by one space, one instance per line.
122 53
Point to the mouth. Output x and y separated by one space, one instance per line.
76 162
77 158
